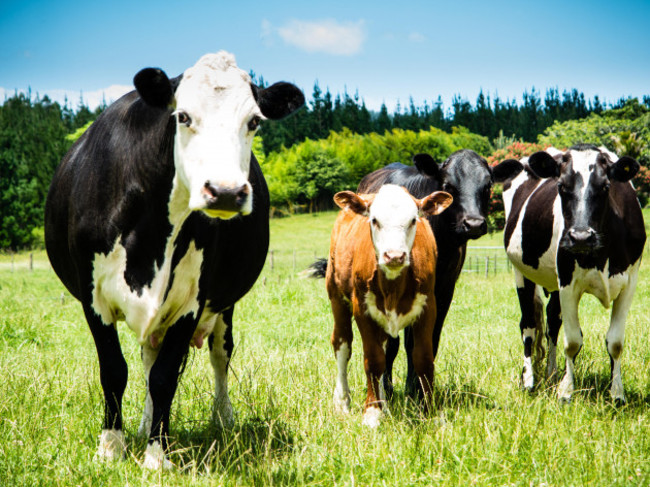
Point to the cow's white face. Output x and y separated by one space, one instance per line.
393 215
217 117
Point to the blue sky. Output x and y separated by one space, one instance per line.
387 51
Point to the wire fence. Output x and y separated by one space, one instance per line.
486 261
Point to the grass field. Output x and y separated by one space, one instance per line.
484 430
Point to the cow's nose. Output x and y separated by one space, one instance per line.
582 236
225 199
394 258
474 226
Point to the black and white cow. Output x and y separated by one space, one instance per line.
573 226
158 217
468 178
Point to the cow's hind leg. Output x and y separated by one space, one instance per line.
221 346
530 325
553 325
163 381
342 346
113 374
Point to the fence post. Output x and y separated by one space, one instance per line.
487 265
272 259
31 261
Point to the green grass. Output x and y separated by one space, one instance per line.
484 430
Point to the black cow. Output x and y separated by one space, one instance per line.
468 178
158 216
574 226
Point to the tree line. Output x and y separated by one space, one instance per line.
489 116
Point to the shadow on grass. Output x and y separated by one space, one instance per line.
207 447
594 388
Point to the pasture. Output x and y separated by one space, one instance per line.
484 430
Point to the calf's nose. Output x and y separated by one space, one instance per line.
394 258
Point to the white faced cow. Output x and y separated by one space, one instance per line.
574 226
158 216
382 271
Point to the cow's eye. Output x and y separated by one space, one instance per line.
254 123
375 223
184 118
414 221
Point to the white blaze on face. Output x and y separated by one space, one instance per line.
214 110
393 216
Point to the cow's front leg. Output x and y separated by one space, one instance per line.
530 325
615 338
392 348
113 373
342 345
374 362
221 346
148 353
162 383
423 352
569 301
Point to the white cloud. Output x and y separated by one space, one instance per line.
416 37
92 99
328 36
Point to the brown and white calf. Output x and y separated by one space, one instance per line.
381 270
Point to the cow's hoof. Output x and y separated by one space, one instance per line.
372 417
619 402
111 445
223 415
155 459
341 403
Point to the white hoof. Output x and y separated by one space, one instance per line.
341 403
527 375
111 445
565 390
155 459
372 417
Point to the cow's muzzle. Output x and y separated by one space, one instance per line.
580 240
474 227
224 200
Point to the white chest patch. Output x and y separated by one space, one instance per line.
597 283
151 310
389 320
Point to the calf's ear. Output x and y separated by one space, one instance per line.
278 100
352 201
435 203
623 170
426 165
506 170
544 165
154 87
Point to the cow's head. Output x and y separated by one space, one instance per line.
584 175
217 111
393 215
468 178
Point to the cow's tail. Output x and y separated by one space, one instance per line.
316 270
540 334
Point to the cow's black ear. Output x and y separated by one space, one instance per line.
506 170
154 87
278 100
426 165
623 170
544 165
